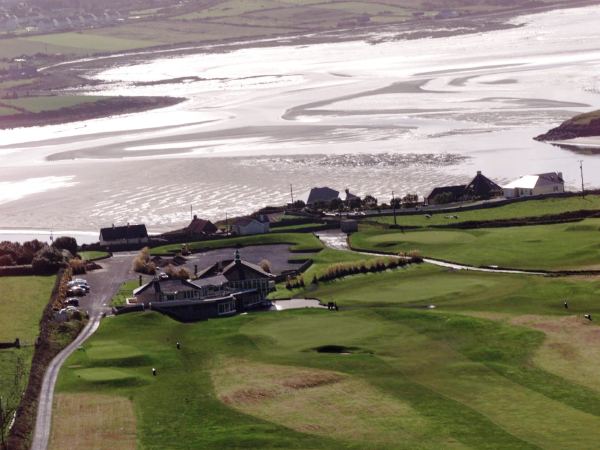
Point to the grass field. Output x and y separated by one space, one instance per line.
49 103
201 22
93 255
482 370
22 300
530 208
552 247
299 242
299 228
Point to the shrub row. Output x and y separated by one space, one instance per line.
341 270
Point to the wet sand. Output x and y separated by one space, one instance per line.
258 119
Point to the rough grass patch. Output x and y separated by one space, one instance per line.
315 401
89 421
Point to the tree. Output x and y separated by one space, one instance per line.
9 402
298 204
336 204
396 202
354 203
369 201
7 260
66 243
48 260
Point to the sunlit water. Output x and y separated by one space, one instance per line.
432 111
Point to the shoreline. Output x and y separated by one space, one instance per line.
409 30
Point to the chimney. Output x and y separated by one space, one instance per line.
479 172
195 217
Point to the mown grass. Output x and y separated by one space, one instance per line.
93 255
22 300
125 291
419 286
299 228
299 242
529 208
551 247
451 380
49 103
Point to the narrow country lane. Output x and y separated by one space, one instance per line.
105 284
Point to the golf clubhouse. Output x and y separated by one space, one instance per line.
223 289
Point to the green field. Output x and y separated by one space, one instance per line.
125 291
482 370
49 103
22 300
299 242
202 22
299 228
529 208
93 255
552 247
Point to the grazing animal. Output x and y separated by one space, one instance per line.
153 371
588 317
566 305
428 216
178 346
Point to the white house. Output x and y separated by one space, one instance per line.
531 185
249 225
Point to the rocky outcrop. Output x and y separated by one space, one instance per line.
583 125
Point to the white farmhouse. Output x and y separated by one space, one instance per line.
531 185
250 225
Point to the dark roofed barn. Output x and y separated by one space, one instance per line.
446 194
482 188
124 236
321 195
200 227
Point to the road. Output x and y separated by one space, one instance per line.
104 283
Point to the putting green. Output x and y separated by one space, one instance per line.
104 374
113 350
424 237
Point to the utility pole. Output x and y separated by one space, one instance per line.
394 207
191 213
581 171
226 225
292 193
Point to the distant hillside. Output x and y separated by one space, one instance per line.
583 125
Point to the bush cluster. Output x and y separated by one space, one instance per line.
177 273
48 260
294 282
143 264
369 266
14 253
77 266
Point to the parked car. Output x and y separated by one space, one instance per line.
72 301
76 291
163 276
79 283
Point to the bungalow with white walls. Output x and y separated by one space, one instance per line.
532 185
